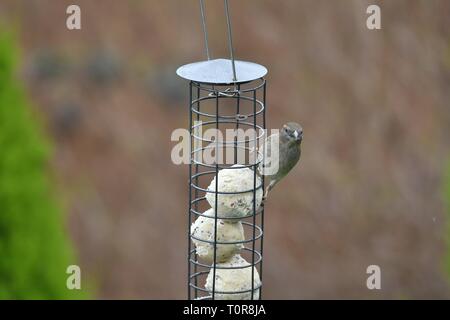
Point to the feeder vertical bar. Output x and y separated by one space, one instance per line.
190 192
230 40
263 188
238 107
255 168
196 193
216 197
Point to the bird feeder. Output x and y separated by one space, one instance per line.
225 216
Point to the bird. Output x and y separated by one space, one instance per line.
274 166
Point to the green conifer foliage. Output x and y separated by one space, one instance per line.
34 248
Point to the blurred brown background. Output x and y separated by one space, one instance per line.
374 106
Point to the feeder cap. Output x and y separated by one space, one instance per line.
220 71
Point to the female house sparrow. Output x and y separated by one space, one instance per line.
276 165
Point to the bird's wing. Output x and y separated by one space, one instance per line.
270 154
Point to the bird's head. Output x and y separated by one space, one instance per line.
293 132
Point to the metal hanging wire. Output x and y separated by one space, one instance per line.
229 31
230 40
205 29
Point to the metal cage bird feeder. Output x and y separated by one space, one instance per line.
224 94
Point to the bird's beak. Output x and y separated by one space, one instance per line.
298 136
